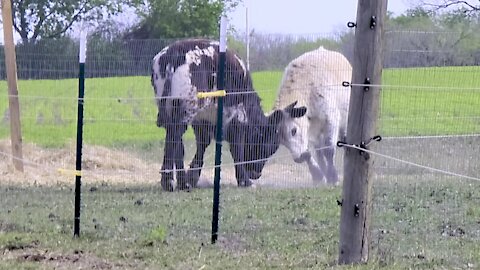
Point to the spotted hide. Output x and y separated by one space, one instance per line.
187 67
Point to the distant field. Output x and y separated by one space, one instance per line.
433 101
120 111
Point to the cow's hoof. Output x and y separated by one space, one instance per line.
245 183
333 180
167 185
167 181
333 183
184 185
192 178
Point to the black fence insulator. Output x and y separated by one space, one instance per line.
362 145
351 25
376 138
367 81
356 210
373 22
346 84
340 143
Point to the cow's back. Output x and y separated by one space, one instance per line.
187 67
320 71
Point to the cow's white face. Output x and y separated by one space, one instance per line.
294 136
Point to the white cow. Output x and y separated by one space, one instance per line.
314 79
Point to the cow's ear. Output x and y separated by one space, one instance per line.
291 106
295 112
298 112
275 118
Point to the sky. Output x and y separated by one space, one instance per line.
301 16
297 16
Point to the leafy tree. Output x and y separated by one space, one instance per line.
467 6
418 19
426 37
180 18
35 19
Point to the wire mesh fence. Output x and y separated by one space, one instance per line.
429 118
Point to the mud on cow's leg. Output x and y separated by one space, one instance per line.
173 157
204 132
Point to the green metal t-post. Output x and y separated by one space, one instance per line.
78 165
219 130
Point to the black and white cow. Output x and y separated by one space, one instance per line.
187 67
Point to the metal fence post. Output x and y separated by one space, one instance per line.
78 165
219 130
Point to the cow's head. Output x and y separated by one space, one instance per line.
263 140
294 132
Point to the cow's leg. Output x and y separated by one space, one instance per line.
241 174
236 138
179 151
315 170
331 172
204 132
174 149
168 159
325 153
173 156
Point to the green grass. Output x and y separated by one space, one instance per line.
418 109
420 225
120 111
266 83
116 110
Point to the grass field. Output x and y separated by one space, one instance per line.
432 101
120 111
421 220
136 227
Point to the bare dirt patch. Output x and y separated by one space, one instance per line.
7 226
56 166
45 166
53 260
